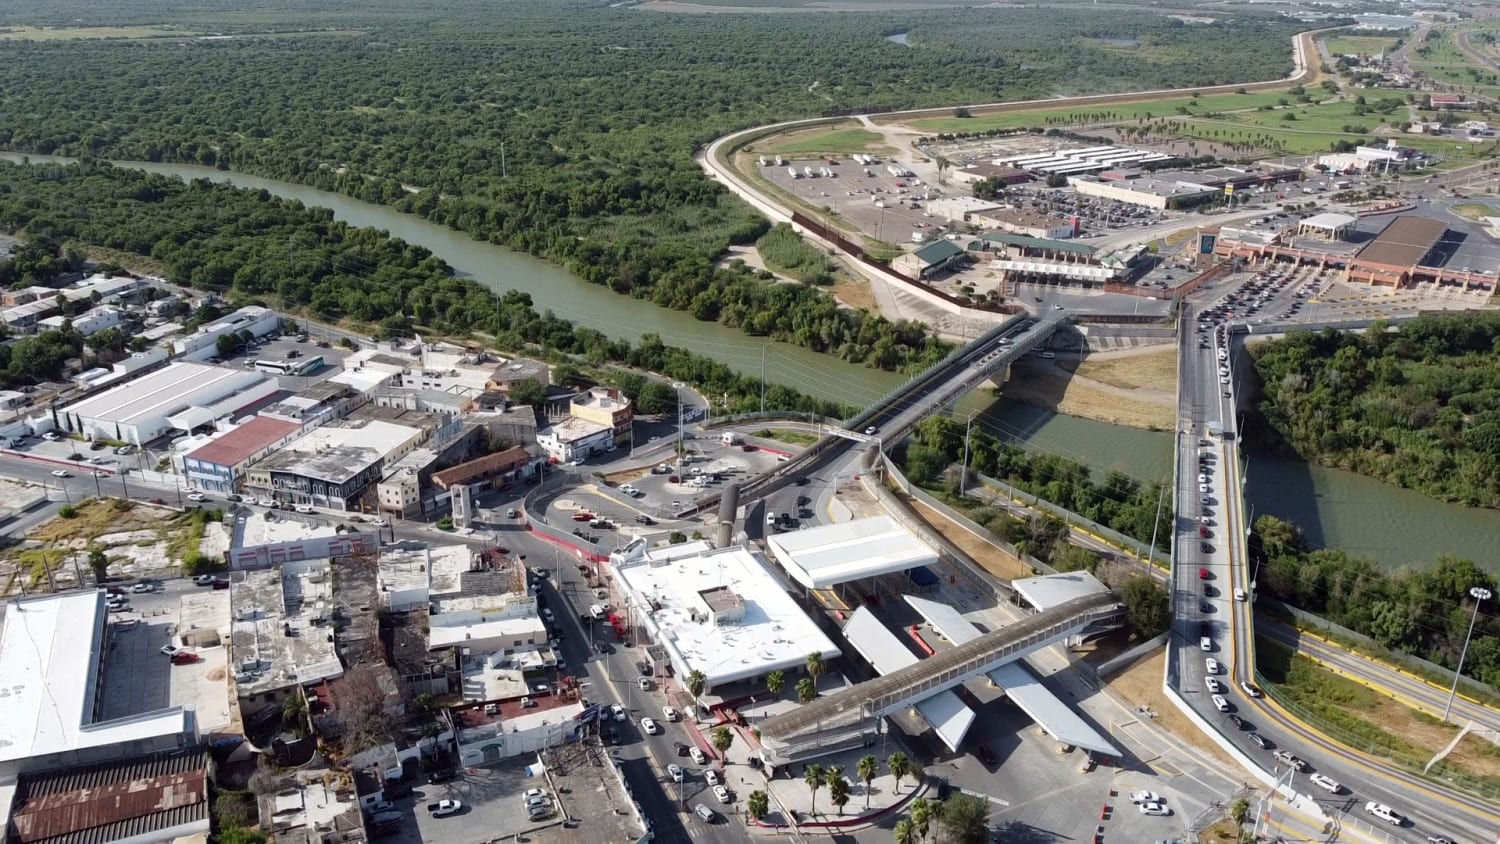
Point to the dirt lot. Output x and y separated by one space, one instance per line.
995 561
1140 685
137 540
855 293
1154 369
1039 383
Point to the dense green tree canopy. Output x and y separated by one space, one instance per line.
1419 407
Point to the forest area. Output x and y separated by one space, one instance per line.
1422 611
566 129
1418 407
259 249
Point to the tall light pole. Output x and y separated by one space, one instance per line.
963 475
1480 595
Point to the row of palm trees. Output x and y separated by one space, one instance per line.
807 688
833 778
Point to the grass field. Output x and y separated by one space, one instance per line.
1474 210
31 33
1111 113
1355 45
1369 721
823 140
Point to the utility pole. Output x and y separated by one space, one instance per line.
502 160
763 350
963 475
1480 595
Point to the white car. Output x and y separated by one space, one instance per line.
1239 594
1249 689
618 712
197 496
1213 685
698 756
533 796
444 808
1220 703
675 772
650 727
722 793
670 713
1205 643
1156 809
143 587
1211 665
712 777
60 473
1385 813
1328 784
1139 797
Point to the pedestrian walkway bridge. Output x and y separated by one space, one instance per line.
842 715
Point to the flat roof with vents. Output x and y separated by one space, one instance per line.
830 554
1404 242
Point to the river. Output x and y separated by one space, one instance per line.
553 288
1338 509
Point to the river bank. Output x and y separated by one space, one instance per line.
1134 388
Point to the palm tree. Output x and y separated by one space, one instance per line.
867 767
775 682
806 690
813 776
904 833
816 666
722 739
696 683
899 766
758 805
921 816
838 786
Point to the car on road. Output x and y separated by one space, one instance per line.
185 658
1211 665
618 712
1237 721
1385 813
674 771
650 726
698 756
1205 643
1239 594
204 580
1213 685
61 473
1144 797
1440 839
304 509
170 650
444 808
1156 809
870 431
143 587
713 777
1286 758
197 496
51 436
723 794
440 775
708 815
1259 740
1220 703
1249 689
670 713
1203 574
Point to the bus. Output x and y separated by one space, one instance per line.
290 367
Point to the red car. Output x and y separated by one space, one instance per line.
185 658
1202 574
1203 532
583 517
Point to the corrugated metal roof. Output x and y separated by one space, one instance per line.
104 803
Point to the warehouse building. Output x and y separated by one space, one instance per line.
177 397
204 343
1151 193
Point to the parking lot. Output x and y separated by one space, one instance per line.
869 198
140 678
587 791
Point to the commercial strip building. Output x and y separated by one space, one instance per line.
218 465
1157 193
177 397
718 611
605 406
573 439
1408 250
203 343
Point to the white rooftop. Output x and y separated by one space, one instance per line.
1330 220
281 629
50 648
837 553
876 643
256 529
1050 590
420 566
165 391
1047 710
945 619
376 434
670 594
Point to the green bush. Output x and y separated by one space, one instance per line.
68 511
445 523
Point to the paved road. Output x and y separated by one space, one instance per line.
1207 607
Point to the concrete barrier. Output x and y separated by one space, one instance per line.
1131 655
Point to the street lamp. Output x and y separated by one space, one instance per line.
1480 595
